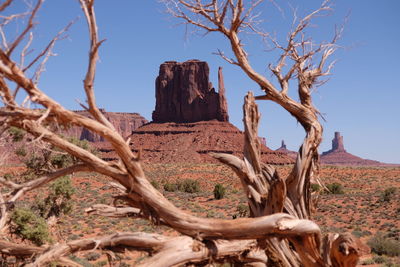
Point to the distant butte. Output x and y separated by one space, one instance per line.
190 120
339 156
283 149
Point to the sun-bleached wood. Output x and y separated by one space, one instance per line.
278 232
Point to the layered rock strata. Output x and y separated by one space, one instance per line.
185 94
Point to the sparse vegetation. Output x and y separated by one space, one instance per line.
186 185
30 226
219 191
382 245
20 151
242 210
315 187
16 134
59 200
387 194
335 188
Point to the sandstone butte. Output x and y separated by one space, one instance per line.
283 149
339 156
190 120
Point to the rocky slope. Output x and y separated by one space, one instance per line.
190 142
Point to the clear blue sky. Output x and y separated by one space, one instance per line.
361 100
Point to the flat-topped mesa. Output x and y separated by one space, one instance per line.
123 122
185 94
337 144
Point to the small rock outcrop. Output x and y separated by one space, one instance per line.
184 94
288 152
124 123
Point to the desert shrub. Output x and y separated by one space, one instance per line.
155 184
382 245
21 152
335 188
7 176
16 134
92 256
219 191
387 194
186 185
36 164
189 186
358 233
315 187
368 262
80 261
45 160
379 259
59 200
30 226
242 210
61 160
170 187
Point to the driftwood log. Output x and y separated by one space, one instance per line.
279 231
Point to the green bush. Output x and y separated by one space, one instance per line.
59 200
382 245
170 187
36 164
219 191
16 134
21 152
315 187
189 186
8 176
186 185
387 194
379 259
155 184
92 256
242 210
61 160
335 188
30 226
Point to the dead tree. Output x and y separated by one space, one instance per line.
279 231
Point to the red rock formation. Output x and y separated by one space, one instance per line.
338 155
337 144
184 94
191 142
288 152
124 123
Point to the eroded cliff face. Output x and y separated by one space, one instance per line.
185 94
124 123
